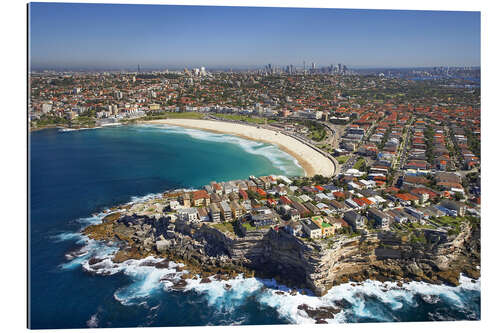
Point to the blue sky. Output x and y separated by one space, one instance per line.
122 36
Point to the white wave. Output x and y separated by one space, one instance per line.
280 159
147 280
65 236
77 129
388 293
92 220
139 199
225 295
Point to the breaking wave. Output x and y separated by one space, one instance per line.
369 301
283 161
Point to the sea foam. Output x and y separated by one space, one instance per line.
283 161
366 301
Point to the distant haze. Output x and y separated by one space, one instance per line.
99 36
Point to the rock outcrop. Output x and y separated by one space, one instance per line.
317 265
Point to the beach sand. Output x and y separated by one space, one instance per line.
313 162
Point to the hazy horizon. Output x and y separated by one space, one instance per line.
119 37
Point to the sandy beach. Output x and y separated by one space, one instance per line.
313 162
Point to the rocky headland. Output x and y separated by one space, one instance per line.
317 265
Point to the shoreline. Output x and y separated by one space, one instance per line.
396 272
310 160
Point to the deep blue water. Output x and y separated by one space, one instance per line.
78 173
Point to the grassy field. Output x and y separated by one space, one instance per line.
175 115
225 227
317 134
449 219
359 163
453 223
247 119
249 227
342 159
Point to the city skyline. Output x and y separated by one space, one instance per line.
155 36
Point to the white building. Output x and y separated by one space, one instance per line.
188 214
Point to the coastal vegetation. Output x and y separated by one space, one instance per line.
360 164
342 159
173 115
247 119
317 131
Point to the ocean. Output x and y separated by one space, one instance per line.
75 175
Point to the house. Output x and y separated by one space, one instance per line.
321 196
236 209
338 206
326 228
305 198
457 206
242 185
203 214
310 228
230 188
406 198
251 186
262 217
323 207
351 204
294 214
355 220
215 198
397 215
261 192
186 200
447 177
243 194
433 211
294 228
226 212
414 212
174 204
208 188
315 210
214 212
286 180
338 195
217 188
266 181
335 222
233 196
381 219
201 198
415 181
421 193
187 214
303 211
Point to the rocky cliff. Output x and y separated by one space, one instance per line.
317 265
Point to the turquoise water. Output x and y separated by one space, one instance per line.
78 173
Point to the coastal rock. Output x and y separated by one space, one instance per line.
321 313
180 285
163 264
94 260
127 254
275 254
168 277
449 277
111 217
